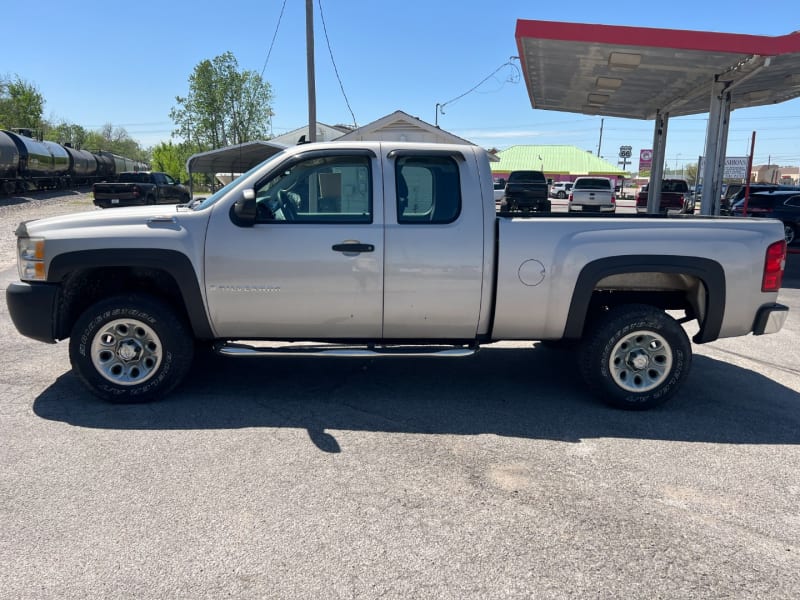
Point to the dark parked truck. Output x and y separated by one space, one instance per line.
141 187
526 191
381 249
676 197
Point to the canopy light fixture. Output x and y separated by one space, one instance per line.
624 60
757 95
598 99
608 84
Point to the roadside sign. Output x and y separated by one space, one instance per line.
735 167
625 151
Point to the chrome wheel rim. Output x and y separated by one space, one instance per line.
126 352
640 361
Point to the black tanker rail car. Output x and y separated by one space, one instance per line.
29 164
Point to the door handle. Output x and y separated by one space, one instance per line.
353 247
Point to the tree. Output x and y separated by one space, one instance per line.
21 103
224 106
691 172
115 140
171 158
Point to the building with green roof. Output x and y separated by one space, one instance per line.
559 163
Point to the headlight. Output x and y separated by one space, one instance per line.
30 258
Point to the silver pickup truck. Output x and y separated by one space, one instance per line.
387 249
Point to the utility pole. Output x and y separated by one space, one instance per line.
312 92
600 142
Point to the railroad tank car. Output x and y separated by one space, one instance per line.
82 165
9 164
27 163
105 166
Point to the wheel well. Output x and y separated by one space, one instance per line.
82 288
691 284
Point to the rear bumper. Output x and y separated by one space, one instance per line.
593 207
32 309
770 319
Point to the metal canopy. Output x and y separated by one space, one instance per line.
647 73
232 159
636 72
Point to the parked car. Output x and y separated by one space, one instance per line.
735 193
676 197
783 205
526 191
560 189
499 191
140 187
592 194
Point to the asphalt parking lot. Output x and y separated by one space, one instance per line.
494 476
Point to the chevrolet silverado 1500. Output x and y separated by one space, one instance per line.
381 249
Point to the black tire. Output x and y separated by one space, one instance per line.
635 356
561 195
790 231
130 349
150 200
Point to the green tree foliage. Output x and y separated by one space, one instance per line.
171 158
225 106
115 140
691 172
66 133
21 103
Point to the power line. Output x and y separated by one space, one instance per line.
274 36
513 79
335 69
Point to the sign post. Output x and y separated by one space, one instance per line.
625 153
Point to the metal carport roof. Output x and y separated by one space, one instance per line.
232 159
649 73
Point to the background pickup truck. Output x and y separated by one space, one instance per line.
676 196
141 187
375 249
526 191
592 194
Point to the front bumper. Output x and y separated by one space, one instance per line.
32 309
770 318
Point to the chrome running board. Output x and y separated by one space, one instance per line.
343 350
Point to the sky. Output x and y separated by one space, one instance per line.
125 63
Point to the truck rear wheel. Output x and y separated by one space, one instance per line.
635 356
130 348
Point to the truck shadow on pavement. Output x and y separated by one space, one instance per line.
513 392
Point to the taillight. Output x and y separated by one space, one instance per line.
774 264
570 196
613 199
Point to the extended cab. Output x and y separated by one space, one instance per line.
139 187
676 196
377 249
526 191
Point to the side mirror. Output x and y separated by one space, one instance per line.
243 212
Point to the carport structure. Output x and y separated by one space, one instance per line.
232 159
653 74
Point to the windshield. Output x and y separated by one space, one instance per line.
526 177
212 199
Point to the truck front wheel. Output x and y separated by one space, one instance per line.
130 348
635 356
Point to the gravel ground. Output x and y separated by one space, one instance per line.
14 209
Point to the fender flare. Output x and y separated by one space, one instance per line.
172 262
708 271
